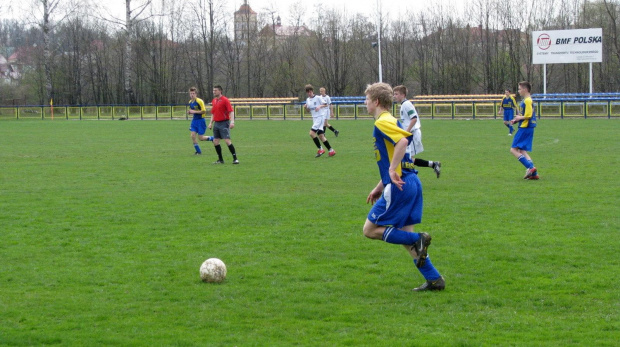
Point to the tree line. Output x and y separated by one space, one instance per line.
82 58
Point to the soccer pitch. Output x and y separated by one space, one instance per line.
104 225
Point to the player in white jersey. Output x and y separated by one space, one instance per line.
410 121
329 110
317 105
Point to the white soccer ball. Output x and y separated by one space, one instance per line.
213 270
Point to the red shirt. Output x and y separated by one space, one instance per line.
221 109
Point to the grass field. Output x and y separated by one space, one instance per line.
104 225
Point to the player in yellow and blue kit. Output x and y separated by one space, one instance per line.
522 142
198 125
508 107
397 198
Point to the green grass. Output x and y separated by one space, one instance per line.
104 224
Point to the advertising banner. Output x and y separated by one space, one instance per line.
567 46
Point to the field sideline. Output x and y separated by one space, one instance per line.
105 224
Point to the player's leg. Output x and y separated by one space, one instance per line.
330 127
389 234
216 143
521 143
224 132
195 142
321 134
202 129
419 251
317 143
385 220
416 147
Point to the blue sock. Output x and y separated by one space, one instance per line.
399 237
531 164
428 270
197 148
511 128
525 162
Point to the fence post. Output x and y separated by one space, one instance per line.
453 111
473 109
585 110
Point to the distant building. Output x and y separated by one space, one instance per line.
246 22
284 31
9 69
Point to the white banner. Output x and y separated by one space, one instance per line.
567 46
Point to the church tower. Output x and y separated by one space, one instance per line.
246 23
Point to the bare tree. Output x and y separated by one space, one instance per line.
613 11
50 9
329 51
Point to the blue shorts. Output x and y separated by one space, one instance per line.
198 126
509 115
523 139
399 208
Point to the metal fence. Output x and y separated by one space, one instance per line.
574 106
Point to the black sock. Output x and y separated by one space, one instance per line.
316 142
332 128
326 143
231 148
420 162
218 150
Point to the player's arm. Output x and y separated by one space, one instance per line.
527 112
501 107
516 106
412 123
211 121
322 105
399 152
201 105
232 119
375 194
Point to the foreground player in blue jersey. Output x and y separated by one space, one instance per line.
522 142
198 125
509 105
397 198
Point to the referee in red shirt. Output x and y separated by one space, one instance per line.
222 120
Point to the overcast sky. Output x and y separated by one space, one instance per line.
391 8
394 9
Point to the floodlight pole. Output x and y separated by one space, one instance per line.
590 79
545 79
379 40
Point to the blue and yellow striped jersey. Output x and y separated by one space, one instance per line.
197 105
386 134
509 102
527 111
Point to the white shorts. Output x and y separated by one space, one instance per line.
415 146
318 123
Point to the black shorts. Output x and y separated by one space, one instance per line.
221 130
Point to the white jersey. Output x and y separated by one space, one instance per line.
315 102
328 110
407 114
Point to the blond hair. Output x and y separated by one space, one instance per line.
381 92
